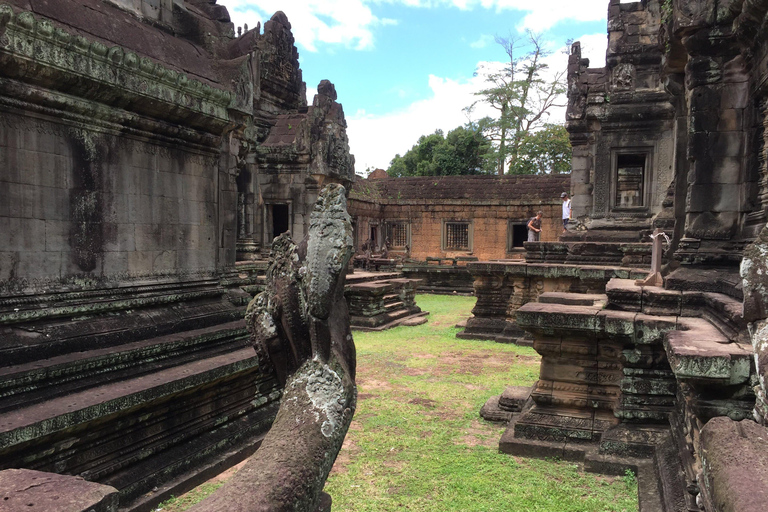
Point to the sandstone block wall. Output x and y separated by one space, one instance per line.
488 203
76 202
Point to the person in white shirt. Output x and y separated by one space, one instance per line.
566 210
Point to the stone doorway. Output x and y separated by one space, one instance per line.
280 219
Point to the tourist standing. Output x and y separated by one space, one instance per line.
566 210
534 227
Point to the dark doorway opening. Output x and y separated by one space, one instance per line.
280 219
630 180
519 235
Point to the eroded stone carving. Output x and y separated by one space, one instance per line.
754 273
300 325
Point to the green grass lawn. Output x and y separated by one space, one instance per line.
418 443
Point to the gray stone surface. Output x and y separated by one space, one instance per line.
28 490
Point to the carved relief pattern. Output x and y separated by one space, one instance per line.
37 44
623 76
602 178
763 160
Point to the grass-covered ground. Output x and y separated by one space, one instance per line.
417 442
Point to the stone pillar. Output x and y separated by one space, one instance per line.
581 159
717 88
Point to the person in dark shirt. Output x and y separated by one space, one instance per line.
534 227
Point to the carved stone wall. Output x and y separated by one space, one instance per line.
617 111
134 137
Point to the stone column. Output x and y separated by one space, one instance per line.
718 93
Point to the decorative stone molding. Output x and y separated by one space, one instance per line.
35 50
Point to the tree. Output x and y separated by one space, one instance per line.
522 97
463 151
544 151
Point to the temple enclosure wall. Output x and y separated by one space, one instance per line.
486 214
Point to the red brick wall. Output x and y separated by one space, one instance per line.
489 226
489 203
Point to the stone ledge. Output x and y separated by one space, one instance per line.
698 351
38 49
65 412
25 490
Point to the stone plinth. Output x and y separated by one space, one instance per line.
502 288
634 356
589 253
28 490
382 303
440 279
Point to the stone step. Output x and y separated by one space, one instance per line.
47 338
191 415
411 316
110 398
572 299
29 383
393 306
68 304
185 449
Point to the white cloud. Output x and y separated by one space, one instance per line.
352 23
345 22
482 41
593 47
374 140
540 15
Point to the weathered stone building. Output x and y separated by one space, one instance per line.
143 147
666 380
456 216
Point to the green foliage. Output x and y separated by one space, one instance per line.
544 151
523 97
667 10
630 480
463 151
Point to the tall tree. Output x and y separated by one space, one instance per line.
545 151
463 151
522 96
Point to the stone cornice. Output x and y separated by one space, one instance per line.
35 51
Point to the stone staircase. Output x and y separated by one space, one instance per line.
150 387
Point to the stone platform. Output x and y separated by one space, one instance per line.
635 372
379 301
440 278
502 287
27 490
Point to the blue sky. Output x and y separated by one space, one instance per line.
403 68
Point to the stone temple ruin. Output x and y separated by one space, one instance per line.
141 144
151 159
669 137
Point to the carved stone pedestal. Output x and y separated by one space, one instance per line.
382 303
